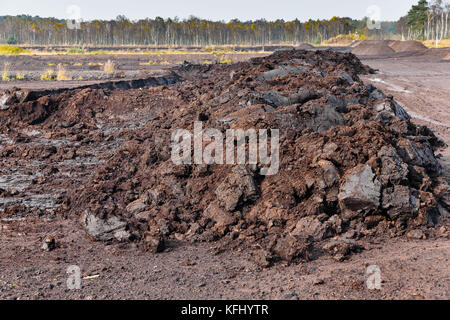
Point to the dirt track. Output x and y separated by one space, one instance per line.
410 269
421 83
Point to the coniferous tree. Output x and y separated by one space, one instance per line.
417 18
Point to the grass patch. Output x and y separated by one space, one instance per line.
48 75
216 51
12 50
109 66
226 61
97 52
62 74
153 63
149 63
445 43
342 40
5 76
75 51
20 76
171 52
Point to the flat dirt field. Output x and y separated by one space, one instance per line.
421 83
411 268
88 69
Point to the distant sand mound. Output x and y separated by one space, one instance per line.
355 43
409 45
391 42
305 46
447 57
372 48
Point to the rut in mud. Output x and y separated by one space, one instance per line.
352 165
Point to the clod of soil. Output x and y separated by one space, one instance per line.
352 165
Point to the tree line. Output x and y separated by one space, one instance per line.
194 31
426 21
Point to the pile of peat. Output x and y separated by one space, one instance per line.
352 165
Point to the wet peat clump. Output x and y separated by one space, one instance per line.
352 165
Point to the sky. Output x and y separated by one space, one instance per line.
386 10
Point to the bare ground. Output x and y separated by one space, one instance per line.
421 83
87 69
410 269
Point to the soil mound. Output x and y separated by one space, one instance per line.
351 164
305 46
372 48
355 43
409 45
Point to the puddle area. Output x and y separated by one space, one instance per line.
392 87
423 118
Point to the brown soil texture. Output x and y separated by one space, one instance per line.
352 164
409 45
410 269
372 48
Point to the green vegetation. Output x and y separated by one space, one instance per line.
62 73
189 32
20 76
417 17
75 51
97 52
426 21
9 50
11 40
343 39
48 75
225 61
109 67
5 73
153 63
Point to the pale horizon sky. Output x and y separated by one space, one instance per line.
390 10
